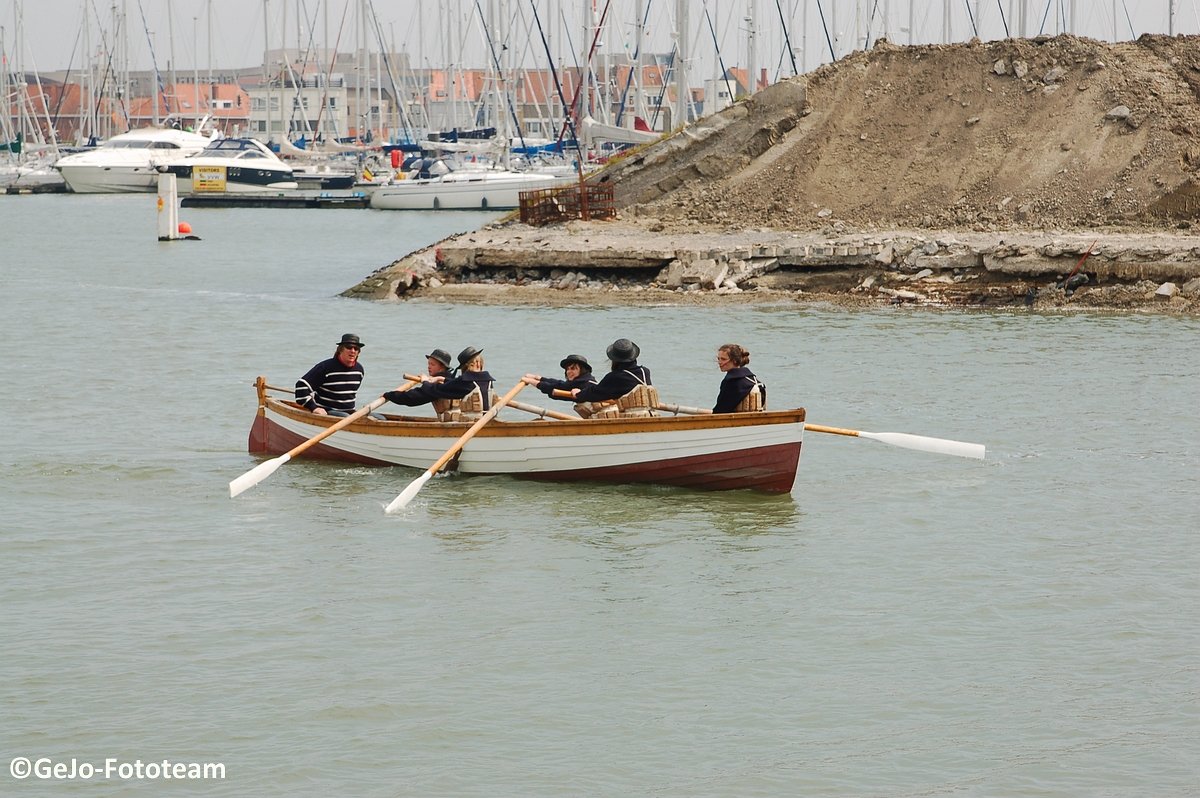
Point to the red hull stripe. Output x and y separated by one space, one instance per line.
767 468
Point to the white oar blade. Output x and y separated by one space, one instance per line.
256 475
401 501
923 444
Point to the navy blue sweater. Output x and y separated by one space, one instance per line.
330 384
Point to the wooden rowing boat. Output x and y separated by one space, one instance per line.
757 451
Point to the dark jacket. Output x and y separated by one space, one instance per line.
548 385
330 384
737 383
621 380
452 388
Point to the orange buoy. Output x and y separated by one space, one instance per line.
184 228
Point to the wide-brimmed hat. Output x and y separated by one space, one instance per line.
467 355
441 356
579 359
622 350
350 339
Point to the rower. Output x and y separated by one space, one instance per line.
626 390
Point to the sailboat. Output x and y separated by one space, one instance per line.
437 184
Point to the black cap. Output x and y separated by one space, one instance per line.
467 355
441 356
579 359
350 339
623 350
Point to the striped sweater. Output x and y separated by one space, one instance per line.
330 384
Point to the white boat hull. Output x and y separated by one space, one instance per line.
759 451
461 191
97 179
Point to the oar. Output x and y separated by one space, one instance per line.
263 470
901 439
687 411
542 412
407 494
906 441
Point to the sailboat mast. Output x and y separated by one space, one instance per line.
6 119
208 44
639 27
171 59
287 111
752 48
196 73
267 65
681 61
125 79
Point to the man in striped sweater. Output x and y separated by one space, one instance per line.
331 386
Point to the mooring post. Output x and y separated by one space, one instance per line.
168 207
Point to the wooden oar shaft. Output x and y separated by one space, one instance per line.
559 393
542 411
831 430
687 411
478 425
345 422
407 494
269 467
342 424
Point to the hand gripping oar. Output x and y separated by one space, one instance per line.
407 494
263 470
906 441
901 439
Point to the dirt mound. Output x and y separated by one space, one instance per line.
1054 133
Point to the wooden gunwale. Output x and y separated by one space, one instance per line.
419 427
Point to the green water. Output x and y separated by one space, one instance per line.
901 624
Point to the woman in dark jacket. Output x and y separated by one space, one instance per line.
740 389
578 374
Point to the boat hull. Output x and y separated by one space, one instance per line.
236 179
460 191
757 451
102 179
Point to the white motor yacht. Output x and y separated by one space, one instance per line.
127 163
231 165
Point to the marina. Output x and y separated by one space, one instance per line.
992 241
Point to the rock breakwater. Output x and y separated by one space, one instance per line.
617 263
